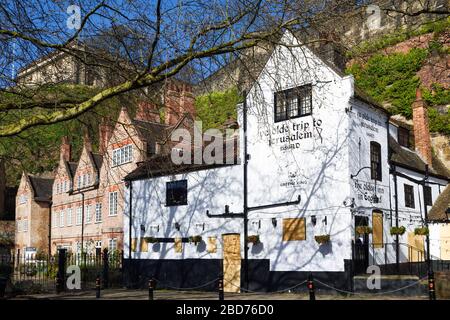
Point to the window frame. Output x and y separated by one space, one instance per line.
301 93
409 196
113 205
403 132
69 217
428 195
79 216
122 155
61 219
88 214
184 200
375 173
98 212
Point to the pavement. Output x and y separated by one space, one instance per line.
127 294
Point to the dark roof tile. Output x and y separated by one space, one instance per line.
441 206
42 188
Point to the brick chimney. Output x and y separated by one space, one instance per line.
105 132
87 143
422 137
148 111
65 150
178 100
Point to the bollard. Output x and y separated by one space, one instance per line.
97 287
220 287
151 288
431 286
310 284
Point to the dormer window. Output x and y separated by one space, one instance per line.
403 137
293 103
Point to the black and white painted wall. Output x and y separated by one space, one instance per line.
310 134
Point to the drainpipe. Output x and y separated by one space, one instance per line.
430 265
82 224
245 212
397 244
130 219
50 229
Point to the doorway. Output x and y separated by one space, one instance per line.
231 262
361 247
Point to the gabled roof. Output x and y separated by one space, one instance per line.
441 206
409 159
97 159
72 166
42 188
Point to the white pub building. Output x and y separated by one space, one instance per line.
327 177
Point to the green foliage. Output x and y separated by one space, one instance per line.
438 96
363 230
322 239
398 230
387 40
439 122
253 239
391 78
36 150
423 231
215 108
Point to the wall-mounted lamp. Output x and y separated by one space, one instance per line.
177 226
274 222
313 220
325 220
142 228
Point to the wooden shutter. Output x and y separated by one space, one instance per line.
133 244
294 229
144 245
377 229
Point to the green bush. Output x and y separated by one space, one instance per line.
215 108
391 78
398 230
423 231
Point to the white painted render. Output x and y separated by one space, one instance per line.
335 144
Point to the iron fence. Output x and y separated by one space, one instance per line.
34 273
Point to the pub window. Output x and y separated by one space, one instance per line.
375 161
403 137
409 196
176 193
293 103
428 198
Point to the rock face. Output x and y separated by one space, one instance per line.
441 147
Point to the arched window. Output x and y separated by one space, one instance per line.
375 161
